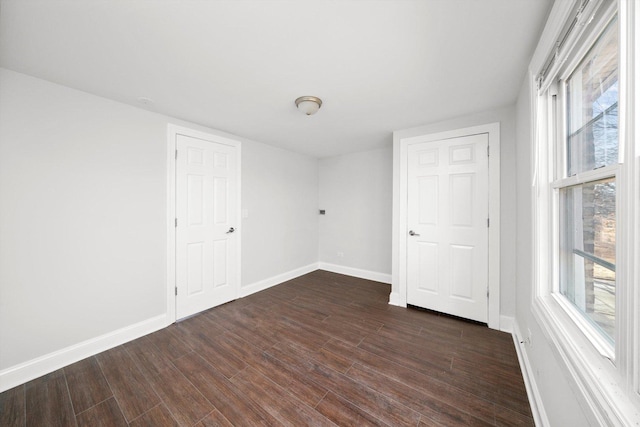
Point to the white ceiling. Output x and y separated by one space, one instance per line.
237 66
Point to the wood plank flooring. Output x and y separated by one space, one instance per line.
320 350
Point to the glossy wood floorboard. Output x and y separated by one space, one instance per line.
320 350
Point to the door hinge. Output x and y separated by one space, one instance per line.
176 154
176 222
176 291
487 292
487 151
488 222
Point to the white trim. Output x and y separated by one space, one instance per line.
394 299
629 208
494 231
269 282
600 343
565 60
27 371
356 272
604 390
401 140
610 171
559 14
602 400
633 133
172 132
261 285
533 392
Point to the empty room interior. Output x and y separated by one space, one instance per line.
413 212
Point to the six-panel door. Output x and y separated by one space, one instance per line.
447 253
206 237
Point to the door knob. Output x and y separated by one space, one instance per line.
413 233
231 230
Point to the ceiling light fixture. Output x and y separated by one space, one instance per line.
309 104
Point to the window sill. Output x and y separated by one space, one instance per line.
599 344
594 378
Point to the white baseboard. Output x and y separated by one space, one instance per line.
27 371
535 399
276 280
356 272
506 324
394 299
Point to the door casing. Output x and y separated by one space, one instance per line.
399 252
172 133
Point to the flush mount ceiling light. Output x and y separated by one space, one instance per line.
308 104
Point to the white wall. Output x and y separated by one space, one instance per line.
507 119
83 192
356 192
82 217
280 195
560 406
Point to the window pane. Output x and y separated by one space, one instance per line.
592 100
588 251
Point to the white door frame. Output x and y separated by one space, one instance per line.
399 252
172 133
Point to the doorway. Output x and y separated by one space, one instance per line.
447 211
446 227
204 249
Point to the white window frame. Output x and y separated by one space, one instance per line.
606 381
560 180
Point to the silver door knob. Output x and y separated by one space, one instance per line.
231 230
413 233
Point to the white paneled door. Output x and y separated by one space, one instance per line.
207 192
447 218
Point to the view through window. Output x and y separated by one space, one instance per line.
588 210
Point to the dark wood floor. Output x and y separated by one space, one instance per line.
323 349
